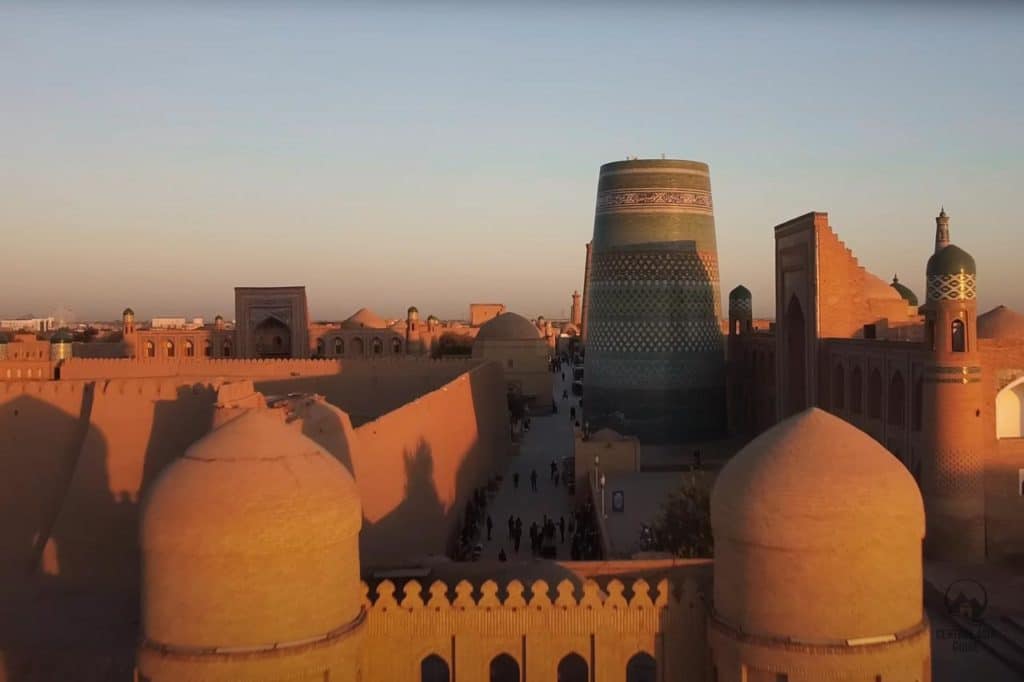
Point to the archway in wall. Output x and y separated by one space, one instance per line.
641 668
396 345
358 348
272 339
339 347
917 404
796 358
1010 410
377 345
504 668
150 349
897 412
573 668
320 347
875 395
433 668
838 388
856 391
190 349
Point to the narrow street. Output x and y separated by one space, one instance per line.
548 440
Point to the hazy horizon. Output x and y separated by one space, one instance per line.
156 157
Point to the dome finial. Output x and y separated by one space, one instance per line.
895 278
941 230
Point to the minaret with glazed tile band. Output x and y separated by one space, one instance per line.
655 352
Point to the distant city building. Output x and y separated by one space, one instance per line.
33 324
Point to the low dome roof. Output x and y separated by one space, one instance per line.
128 311
817 513
905 293
1001 323
508 327
413 309
62 336
249 538
364 318
951 260
739 292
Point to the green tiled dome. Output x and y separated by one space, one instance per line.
951 260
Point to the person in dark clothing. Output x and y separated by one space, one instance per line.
554 470
517 536
533 480
511 526
561 528
515 480
490 527
501 555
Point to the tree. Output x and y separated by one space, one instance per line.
684 527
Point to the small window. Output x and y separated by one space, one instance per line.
169 346
959 337
396 345
339 347
207 348
227 349
150 349
190 349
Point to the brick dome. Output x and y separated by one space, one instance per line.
508 327
364 318
1001 323
251 539
817 514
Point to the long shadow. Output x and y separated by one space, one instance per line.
418 522
53 626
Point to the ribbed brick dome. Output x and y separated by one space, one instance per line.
250 539
818 515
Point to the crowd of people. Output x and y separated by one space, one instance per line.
570 535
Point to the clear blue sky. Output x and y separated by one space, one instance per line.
157 157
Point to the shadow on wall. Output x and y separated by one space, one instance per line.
420 513
69 608
52 626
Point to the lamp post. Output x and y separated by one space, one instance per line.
603 512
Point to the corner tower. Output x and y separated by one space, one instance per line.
952 476
654 348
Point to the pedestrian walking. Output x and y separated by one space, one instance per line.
533 480
561 528
515 480
490 527
511 526
554 470
501 555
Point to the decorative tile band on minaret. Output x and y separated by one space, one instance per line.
655 351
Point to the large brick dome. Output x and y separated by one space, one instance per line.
818 515
250 540
508 327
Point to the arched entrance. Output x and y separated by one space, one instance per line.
433 668
1010 410
504 668
641 668
273 339
796 359
573 668
897 401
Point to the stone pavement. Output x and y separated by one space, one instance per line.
550 438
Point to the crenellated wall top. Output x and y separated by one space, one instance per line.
541 597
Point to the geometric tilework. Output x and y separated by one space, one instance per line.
740 307
655 336
959 287
654 198
655 265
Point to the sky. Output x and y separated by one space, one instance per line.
158 155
